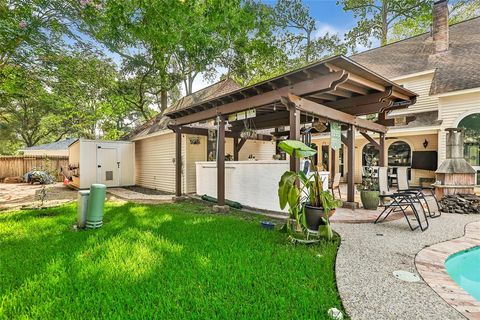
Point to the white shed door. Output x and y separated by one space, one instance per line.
107 166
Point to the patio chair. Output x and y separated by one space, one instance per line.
383 184
428 199
402 202
336 185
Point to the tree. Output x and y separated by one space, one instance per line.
459 10
376 18
24 106
297 33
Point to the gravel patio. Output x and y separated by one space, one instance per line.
368 256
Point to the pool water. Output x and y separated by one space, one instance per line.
464 268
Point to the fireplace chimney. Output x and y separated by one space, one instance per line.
440 26
455 174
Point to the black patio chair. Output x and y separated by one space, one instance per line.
425 194
402 202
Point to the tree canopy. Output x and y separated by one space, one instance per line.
99 68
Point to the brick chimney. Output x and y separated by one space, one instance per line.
440 25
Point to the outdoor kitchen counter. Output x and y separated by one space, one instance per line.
252 183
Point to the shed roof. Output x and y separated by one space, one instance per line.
456 69
58 145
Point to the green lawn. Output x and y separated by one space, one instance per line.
175 261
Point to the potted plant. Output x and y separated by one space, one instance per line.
309 205
369 192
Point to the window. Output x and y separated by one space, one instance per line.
399 154
370 152
471 124
212 145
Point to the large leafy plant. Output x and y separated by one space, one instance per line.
296 189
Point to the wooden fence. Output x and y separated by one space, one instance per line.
16 166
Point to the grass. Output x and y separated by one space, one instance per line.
175 261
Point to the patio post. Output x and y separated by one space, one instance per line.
332 164
294 123
351 163
221 162
381 155
178 162
235 149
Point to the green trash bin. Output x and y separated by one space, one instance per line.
96 203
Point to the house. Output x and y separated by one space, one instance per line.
443 68
58 148
440 66
155 145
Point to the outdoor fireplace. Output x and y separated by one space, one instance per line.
455 175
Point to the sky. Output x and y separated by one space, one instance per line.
330 18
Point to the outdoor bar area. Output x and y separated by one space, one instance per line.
333 96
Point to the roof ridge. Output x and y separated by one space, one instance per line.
412 37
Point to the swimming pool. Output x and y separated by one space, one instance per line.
464 268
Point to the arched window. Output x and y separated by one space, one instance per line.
399 154
370 152
471 124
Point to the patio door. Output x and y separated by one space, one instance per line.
108 166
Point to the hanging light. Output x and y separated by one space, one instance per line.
320 126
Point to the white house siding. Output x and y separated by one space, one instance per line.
262 150
154 162
420 85
195 152
452 109
155 168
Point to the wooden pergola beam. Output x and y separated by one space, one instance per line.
228 134
178 164
336 115
320 84
221 163
237 146
369 108
361 100
351 163
371 140
353 88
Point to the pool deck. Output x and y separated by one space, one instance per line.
430 264
370 253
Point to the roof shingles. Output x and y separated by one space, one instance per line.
456 69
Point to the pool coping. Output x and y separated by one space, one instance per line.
430 264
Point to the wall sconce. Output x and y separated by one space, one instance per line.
194 140
425 144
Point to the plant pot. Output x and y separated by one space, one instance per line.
314 215
370 199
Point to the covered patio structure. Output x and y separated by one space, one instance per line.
332 90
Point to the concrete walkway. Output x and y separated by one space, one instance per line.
370 253
133 196
16 195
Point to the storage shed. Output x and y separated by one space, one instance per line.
108 162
